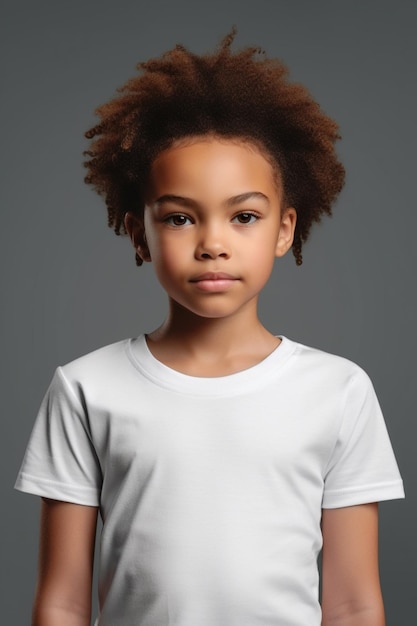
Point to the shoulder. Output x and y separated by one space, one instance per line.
326 365
328 375
107 362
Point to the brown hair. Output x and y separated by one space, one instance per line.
232 95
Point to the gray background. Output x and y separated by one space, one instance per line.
69 285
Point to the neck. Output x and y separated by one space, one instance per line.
185 338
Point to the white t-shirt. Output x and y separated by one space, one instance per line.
210 489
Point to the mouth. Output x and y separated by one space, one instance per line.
213 276
214 281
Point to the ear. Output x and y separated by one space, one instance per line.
136 230
286 231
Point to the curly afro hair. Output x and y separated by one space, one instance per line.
241 95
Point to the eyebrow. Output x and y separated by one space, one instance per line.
189 202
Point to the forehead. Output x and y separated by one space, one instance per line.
214 166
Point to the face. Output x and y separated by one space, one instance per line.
213 225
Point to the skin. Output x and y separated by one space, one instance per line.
212 206
351 591
66 553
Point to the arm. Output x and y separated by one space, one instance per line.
351 592
63 594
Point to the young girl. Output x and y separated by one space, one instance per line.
222 458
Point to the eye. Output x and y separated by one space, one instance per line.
177 220
245 218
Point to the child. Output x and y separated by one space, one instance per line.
221 457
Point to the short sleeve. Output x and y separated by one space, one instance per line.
60 460
362 467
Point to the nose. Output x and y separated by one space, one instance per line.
212 244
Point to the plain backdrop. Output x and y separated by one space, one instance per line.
69 285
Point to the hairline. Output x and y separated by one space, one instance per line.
252 143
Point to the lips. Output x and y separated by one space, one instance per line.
213 276
214 282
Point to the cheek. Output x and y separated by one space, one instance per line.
169 254
262 256
264 267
